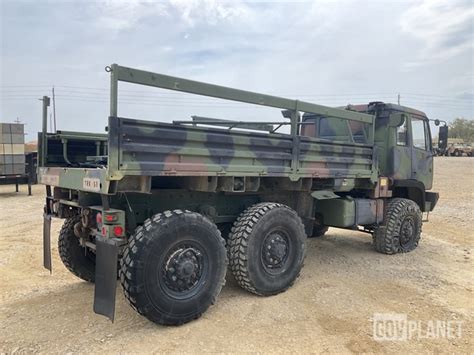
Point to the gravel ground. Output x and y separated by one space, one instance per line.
329 309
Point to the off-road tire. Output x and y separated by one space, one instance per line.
318 231
145 273
249 236
77 259
391 237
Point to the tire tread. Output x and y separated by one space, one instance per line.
140 240
239 241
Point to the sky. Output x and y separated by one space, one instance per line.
327 52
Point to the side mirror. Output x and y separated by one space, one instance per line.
443 137
397 119
437 122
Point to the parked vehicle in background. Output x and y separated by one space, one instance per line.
459 150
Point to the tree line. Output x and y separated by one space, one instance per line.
462 128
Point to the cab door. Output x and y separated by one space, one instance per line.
422 155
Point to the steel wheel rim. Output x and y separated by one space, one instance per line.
275 251
407 231
183 270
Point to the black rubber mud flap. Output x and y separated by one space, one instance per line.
105 278
47 242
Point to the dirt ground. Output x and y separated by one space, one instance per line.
329 309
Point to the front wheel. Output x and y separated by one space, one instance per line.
401 228
173 267
267 248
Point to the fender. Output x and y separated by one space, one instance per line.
415 191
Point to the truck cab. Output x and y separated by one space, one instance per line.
402 138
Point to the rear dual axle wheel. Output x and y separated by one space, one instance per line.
267 248
173 267
78 260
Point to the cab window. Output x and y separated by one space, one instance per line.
419 131
335 129
402 134
308 129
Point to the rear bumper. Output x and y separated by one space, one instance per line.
84 179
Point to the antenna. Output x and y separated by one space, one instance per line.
54 111
398 98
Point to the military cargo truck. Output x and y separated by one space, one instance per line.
167 207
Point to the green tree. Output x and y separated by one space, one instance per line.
462 128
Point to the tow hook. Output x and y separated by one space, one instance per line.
82 229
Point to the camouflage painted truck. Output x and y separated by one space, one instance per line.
167 207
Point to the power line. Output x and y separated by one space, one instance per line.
178 93
170 94
210 105
80 93
220 101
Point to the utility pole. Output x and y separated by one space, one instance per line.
54 111
398 98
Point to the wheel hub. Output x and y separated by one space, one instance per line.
275 250
183 269
406 231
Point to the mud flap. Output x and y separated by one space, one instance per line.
105 277
47 242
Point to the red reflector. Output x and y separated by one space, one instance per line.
118 231
98 218
109 217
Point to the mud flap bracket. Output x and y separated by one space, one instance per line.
107 250
47 242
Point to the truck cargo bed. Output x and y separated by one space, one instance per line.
156 149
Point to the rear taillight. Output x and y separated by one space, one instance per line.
118 231
111 218
98 218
